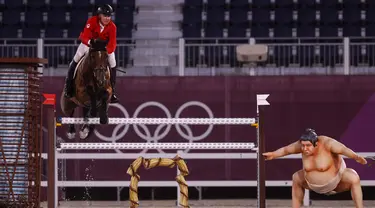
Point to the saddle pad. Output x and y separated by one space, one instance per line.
79 63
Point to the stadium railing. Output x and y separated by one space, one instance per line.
324 55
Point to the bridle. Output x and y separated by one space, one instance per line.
95 68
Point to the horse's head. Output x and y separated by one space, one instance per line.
99 65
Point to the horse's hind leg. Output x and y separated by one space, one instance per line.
86 129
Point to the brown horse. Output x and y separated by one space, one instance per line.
92 90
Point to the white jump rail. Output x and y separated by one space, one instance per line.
157 121
139 146
261 100
189 156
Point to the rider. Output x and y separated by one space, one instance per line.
97 27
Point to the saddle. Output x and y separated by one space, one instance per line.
78 64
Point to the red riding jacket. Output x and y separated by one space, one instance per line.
92 31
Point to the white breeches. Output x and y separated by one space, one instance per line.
83 49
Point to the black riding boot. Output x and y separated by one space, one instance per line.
114 98
69 80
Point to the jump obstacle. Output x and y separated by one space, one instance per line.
20 131
54 151
155 162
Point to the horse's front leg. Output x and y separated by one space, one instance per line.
71 134
86 129
86 114
93 110
103 113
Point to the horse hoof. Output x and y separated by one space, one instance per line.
83 134
103 120
71 135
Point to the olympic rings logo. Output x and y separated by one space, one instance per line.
158 134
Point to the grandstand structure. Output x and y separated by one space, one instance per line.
194 36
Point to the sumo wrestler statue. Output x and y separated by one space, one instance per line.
324 170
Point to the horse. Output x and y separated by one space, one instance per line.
92 90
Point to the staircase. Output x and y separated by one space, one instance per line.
157 33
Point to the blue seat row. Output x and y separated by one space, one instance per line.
284 3
259 18
259 31
58 17
123 31
73 4
280 15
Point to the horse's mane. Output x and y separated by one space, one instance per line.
99 46
95 49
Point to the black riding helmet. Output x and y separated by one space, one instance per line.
106 10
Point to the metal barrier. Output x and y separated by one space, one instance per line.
18 48
280 55
20 132
341 54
